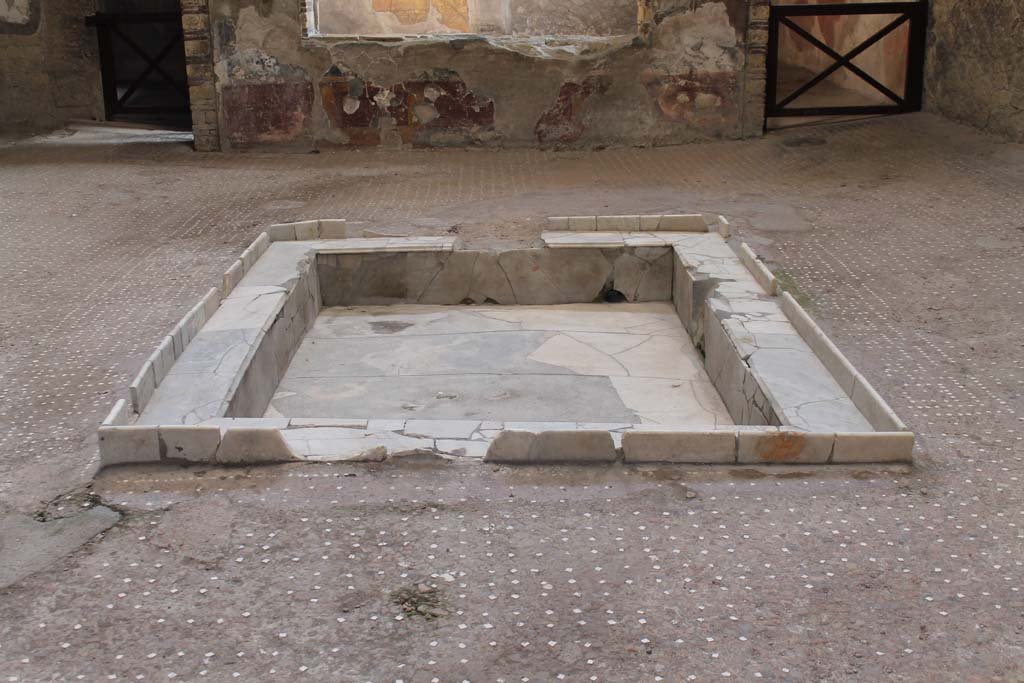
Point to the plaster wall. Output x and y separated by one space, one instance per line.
974 72
693 71
49 71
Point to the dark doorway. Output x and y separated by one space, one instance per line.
142 62
847 59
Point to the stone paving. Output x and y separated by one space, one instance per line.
902 236
624 362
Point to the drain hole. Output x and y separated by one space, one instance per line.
614 296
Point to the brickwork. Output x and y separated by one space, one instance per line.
195 21
754 76
306 17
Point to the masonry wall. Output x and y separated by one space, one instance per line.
693 71
49 71
975 64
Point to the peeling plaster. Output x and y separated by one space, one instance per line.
683 82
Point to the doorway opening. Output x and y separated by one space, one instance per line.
142 64
844 60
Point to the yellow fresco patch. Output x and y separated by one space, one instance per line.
454 13
406 11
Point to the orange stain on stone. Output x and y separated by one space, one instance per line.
453 13
781 447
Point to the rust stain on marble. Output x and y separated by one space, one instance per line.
782 447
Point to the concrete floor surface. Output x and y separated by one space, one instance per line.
903 236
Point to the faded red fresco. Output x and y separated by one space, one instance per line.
364 110
563 121
261 113
695 97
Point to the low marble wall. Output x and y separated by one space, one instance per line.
518 276
860 391
276 347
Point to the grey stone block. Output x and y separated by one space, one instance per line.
627 273
874 447
827 352
211 302
874 408
160 365
452 284
764 277
626 223
192 443
656 282
232 276
489 282
679 446
178 340
253 445
682 294
260 245
128 444
687 222
119 415
650 223
307 230
166 351
248 258
333 229
142 387
555 276
510 447
191 323
582 223
724 227
563 447
282 232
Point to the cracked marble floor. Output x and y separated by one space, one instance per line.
628 363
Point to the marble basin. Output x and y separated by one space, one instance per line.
616 338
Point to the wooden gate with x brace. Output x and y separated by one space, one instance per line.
782 17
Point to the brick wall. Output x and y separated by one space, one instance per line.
195 21
754 74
